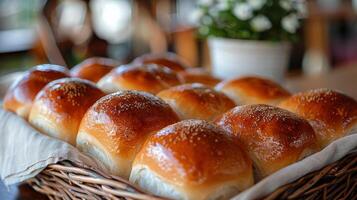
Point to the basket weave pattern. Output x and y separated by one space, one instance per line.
65 180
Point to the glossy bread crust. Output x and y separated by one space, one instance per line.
273 137
58 108
93 69
169 60
149 78
20 96
120 123
253 90
198 76
195 158
331 113
196 101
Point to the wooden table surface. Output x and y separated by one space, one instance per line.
343 79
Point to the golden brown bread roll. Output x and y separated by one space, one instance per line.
149 78
116 126
196 101
253 90
331 113
273 137
21 94
169 60
93 69
195 75
192 159
59 107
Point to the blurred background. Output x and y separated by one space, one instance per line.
67 31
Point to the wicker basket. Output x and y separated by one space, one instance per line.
68 181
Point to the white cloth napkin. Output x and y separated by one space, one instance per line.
336 150
24 152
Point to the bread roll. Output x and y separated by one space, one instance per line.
149 78
253 90
196 75
192 159
196 101
21 94
58 109
273 137
116 126
169 60
93 69
331 113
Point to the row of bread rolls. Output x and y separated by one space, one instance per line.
22 92
143 74
189 141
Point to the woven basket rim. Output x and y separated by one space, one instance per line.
68 180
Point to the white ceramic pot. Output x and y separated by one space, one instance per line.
233 58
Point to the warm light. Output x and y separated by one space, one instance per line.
71 15
111 19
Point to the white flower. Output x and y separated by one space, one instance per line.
243 11
301 8
222 5
286 4
205 2
260 23
290 23
196 16
256 4
213 11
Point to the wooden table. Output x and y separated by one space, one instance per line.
343 79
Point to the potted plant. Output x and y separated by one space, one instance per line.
249 36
